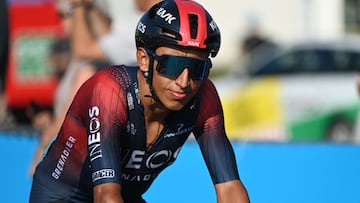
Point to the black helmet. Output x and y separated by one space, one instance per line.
178 23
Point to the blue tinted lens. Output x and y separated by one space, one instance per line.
173 66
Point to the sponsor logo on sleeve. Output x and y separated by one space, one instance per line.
69 144
103 173
94 134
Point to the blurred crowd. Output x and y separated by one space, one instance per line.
94 35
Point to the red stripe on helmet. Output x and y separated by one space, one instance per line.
191 7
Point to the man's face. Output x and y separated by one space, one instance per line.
177 90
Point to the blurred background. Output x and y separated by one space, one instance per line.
287 73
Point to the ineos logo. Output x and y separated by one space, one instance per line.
94 125
141 27
94 134
158 159
154 161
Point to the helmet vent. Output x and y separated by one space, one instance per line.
193 19
171 34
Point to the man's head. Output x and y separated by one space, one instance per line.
63 8
175 39
60 55
181 24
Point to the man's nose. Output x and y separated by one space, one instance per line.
183 80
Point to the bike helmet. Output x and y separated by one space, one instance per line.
178 23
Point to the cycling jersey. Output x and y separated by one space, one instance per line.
103 140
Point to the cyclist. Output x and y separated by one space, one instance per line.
127 124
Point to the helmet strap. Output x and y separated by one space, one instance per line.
149 80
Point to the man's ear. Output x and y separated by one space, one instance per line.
142 59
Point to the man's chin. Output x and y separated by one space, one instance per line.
175 106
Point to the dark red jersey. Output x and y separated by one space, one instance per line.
103 140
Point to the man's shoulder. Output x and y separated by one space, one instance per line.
117 72
207 89
208 96
116 76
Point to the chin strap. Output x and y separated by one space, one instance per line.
149 79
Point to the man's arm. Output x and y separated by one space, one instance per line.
216 148
84 37
108 192
101 96
231 192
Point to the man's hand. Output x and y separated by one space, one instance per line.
231 192
108 192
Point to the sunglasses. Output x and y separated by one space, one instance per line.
173 66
